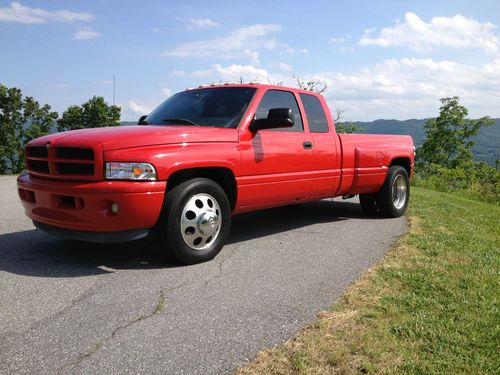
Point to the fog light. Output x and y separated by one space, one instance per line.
114 208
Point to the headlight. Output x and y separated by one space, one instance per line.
130 171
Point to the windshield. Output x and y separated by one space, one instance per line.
221 107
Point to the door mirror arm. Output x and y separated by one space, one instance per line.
142 121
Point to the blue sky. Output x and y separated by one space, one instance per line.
379 59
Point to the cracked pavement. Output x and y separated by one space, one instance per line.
76 308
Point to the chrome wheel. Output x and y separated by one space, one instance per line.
201 221
399 192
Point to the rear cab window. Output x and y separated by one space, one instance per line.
314 113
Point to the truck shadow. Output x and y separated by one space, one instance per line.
271 221
34 253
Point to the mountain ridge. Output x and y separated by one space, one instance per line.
486 149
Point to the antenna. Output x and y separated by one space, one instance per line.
114 88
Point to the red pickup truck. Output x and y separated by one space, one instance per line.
201 156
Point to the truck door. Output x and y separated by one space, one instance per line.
326 179
277 164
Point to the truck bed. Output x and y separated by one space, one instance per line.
365 160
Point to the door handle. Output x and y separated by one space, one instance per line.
307 145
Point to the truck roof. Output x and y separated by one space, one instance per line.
253 85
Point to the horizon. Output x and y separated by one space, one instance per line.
367 121
380 60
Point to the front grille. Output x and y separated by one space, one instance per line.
75 153
38 152
73 163
41 166
74 168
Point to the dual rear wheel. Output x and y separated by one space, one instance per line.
392 198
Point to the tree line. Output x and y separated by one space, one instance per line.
24 118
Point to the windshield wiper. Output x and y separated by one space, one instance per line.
181 120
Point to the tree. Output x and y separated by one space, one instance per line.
448 137
311 84
344 127
21 120
95 113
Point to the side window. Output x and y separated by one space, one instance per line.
280 99
315 115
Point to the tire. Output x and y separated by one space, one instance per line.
368 203
195 221
392 199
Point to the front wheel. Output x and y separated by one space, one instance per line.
195 221
392 198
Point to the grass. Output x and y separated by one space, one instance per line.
429 307
487 190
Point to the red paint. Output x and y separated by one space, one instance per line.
139 203
271 168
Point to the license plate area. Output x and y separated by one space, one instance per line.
67 202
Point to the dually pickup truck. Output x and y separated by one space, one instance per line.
201 156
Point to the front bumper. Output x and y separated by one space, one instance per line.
98 237
86 206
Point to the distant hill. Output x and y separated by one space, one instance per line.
487 146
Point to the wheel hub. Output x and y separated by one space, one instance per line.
399 192
208 223
200 221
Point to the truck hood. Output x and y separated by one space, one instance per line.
120 137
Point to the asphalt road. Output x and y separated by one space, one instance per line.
74 308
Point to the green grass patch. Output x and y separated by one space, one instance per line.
429 307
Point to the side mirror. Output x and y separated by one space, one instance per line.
276 118
141 120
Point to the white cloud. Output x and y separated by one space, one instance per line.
235 72
284 66
411 88
339 40
453 32
242 42
107 82
25 14
492 72
86 33
395 88
138 108
203 22
344 43
178 73
167 93
232 72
